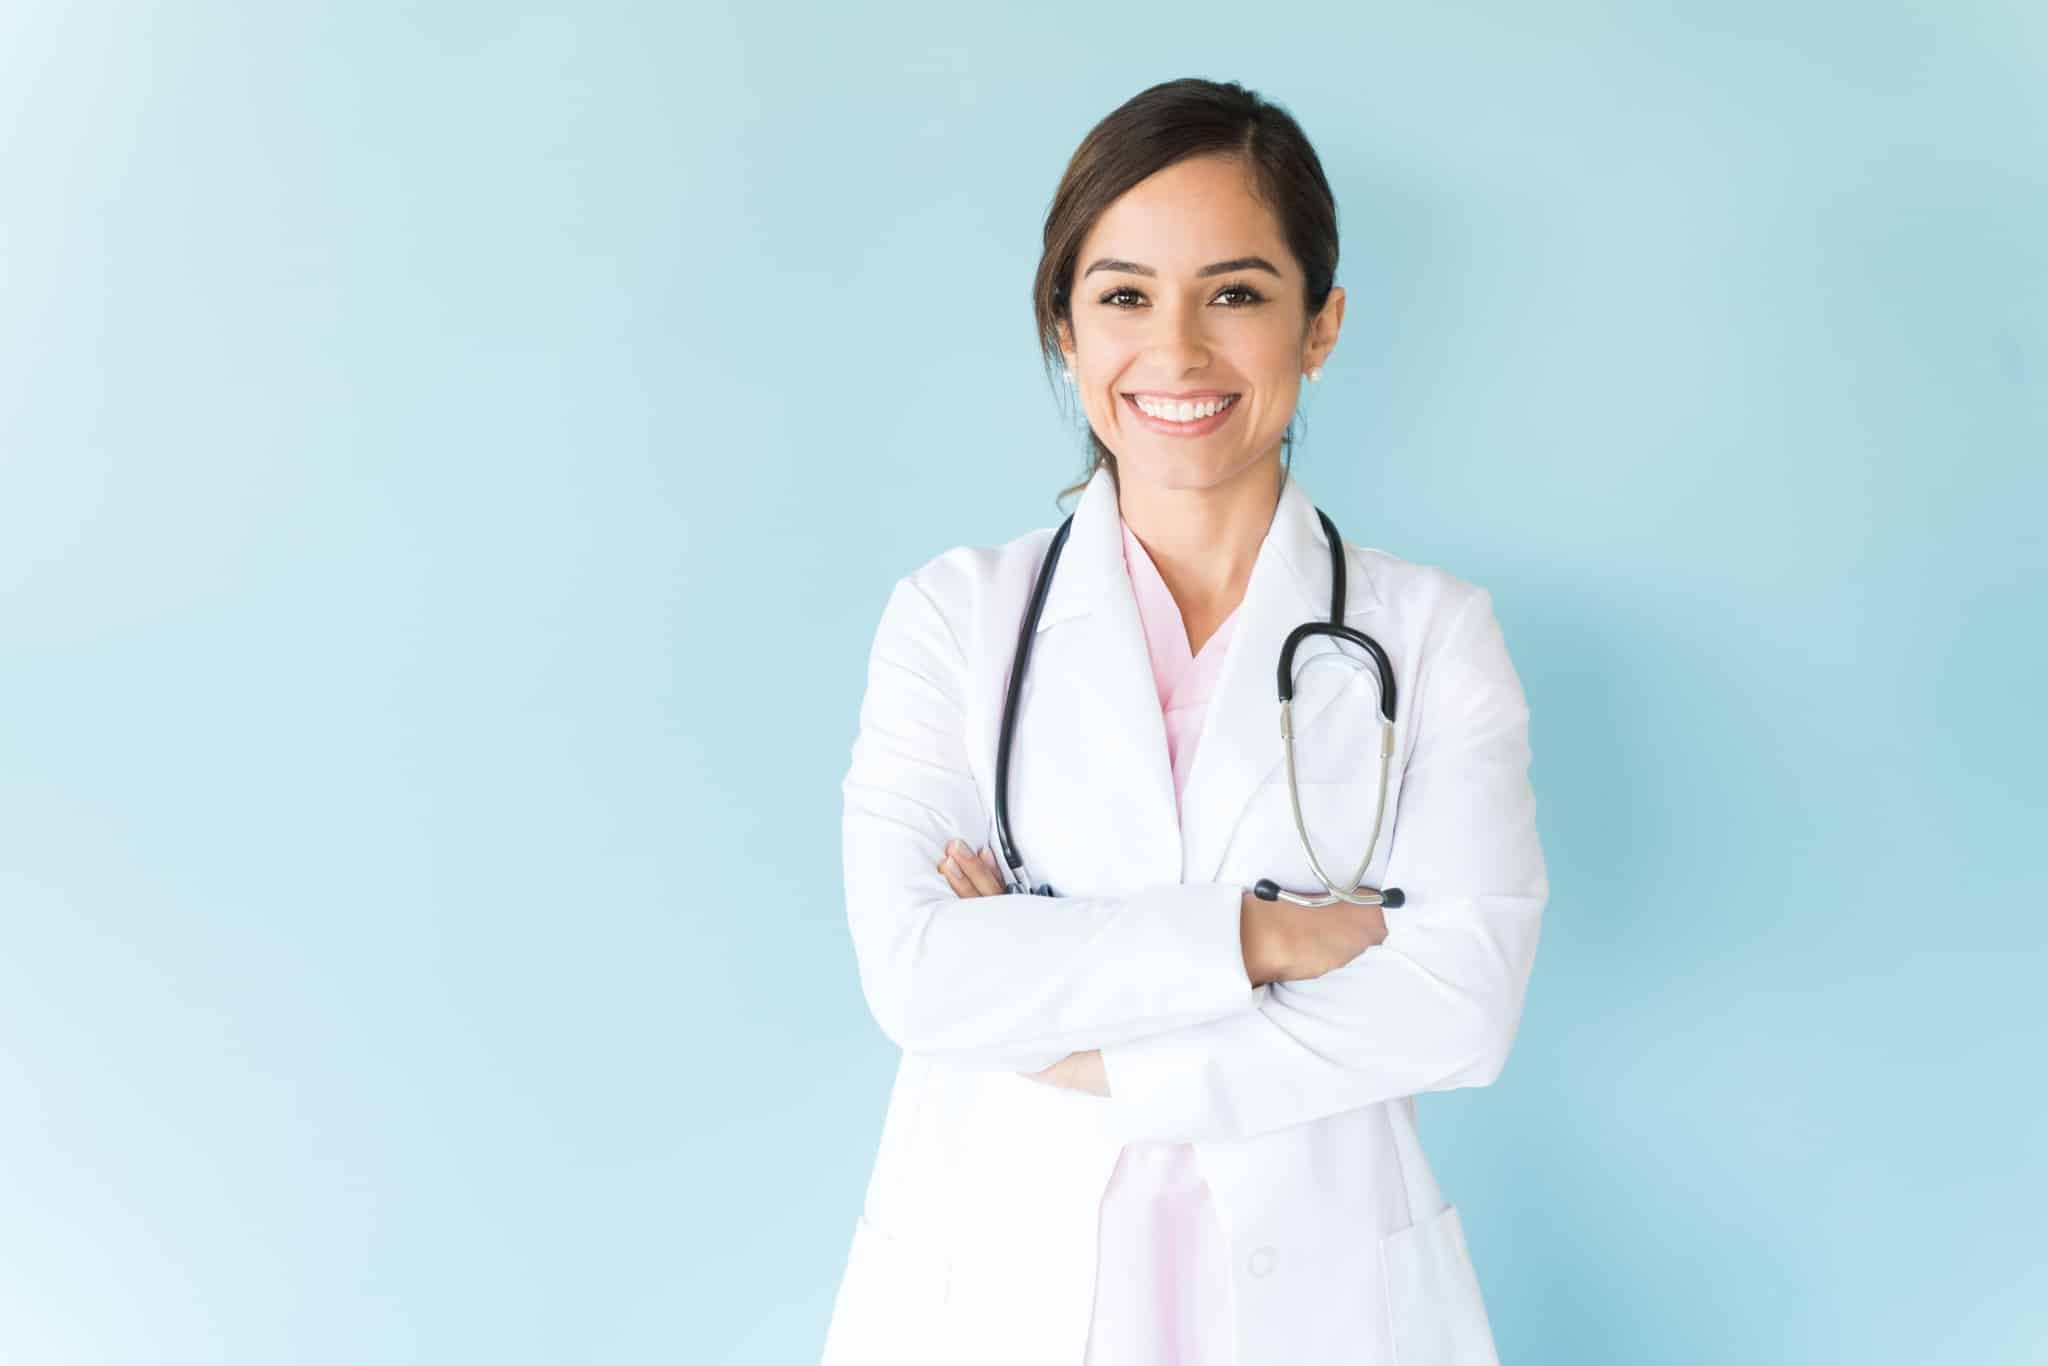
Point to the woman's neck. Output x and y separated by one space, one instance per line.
1204 541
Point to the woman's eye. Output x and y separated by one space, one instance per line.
1249 295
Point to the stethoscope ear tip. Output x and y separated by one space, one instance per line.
1393 897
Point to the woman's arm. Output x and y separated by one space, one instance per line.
1011 981
1280 941
1438 1003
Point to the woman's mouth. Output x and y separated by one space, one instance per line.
1182 417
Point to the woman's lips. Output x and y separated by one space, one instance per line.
1199 428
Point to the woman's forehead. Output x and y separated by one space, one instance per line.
1176 226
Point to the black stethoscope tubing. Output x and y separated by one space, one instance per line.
1267 889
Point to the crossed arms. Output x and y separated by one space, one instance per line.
1157 979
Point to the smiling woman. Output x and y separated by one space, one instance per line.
1121 324
1154 1119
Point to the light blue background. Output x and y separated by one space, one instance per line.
454 460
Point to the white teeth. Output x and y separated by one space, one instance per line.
1186 411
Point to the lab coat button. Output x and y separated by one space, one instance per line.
1262 1260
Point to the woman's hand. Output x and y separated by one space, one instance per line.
1077 1072
972 874
1288 943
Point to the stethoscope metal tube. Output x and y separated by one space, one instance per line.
1266 889
1019 878
1269 890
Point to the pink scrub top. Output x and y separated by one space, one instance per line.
1162 1284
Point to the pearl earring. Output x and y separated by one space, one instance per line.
1316 373
1067 375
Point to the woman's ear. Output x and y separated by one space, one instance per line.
1324 327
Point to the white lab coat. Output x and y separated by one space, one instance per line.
977 1237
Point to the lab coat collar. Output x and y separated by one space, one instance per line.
1240 741
1091 569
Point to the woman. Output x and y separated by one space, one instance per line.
1153 1118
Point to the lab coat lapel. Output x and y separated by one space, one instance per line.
1092 677
1240 742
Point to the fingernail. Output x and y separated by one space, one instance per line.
951 866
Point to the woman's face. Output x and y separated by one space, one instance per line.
1154 319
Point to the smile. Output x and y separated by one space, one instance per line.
1183 417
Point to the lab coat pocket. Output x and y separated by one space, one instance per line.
890 1305
1433 1302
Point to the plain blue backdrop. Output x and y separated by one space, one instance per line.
452 461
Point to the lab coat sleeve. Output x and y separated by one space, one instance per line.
1011 981
1433 1007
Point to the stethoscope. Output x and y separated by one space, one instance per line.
1265 889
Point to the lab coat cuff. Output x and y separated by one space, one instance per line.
1157 1081
1202 973
1159 1084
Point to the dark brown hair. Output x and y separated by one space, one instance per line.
1154 129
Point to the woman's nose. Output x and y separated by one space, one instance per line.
1183 337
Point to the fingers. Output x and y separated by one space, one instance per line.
969 873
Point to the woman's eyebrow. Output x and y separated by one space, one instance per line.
1220 268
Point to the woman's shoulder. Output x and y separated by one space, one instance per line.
962 577
974 561
1448 623
949 598
1411 589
